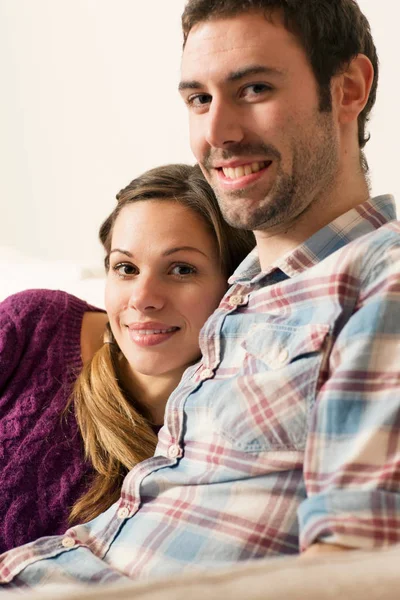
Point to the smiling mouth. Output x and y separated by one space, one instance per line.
243 170
154 331
145 338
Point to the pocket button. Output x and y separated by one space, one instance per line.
283 356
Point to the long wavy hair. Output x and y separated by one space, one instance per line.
116 432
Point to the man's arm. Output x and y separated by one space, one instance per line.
352 461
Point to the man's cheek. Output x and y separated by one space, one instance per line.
197 141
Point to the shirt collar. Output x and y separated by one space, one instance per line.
358 221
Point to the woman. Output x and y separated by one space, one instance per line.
168 256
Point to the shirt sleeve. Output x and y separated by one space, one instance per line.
75 566
352 460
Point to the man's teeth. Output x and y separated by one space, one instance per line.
152 331
235 173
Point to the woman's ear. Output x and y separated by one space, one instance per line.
352 88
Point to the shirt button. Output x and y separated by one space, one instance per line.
206 374
283 356
68 542
123 512
236 300
174 451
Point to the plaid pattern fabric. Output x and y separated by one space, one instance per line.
286 433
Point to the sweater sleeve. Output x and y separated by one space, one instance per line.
24 318
43 470
12 339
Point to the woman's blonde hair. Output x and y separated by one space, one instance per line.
116 432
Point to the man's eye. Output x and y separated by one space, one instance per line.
183 270
125 269
198 100
255 89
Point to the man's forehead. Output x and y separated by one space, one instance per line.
246 30
247 36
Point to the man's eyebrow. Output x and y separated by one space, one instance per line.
235 76
166 253
254 70
189 85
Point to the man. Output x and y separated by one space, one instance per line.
286 437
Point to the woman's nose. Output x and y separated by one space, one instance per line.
146 295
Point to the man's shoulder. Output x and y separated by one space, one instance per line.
374 246
379 246
389 231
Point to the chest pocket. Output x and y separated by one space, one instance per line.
270 397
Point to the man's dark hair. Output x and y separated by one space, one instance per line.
332 33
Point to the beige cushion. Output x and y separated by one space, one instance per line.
357 575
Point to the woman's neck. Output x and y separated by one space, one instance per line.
150 392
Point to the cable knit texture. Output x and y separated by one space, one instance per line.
42 467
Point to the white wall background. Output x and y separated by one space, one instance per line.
88 100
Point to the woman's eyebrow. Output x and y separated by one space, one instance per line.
166 253
185 248
126 252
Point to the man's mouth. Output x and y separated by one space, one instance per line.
243 170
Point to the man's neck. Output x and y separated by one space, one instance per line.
274 243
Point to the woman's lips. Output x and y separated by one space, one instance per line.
146 334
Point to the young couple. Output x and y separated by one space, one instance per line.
285 437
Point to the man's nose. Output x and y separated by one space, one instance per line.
223 126
146 294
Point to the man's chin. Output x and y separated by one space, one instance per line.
239 219
255 220
242 212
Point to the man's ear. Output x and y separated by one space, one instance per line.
352 88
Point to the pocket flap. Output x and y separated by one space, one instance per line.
277 345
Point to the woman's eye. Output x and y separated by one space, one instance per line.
125 269
183 270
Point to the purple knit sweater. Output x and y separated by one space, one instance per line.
42 468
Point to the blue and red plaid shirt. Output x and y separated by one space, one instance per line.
286 433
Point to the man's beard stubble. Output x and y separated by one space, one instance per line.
314 167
